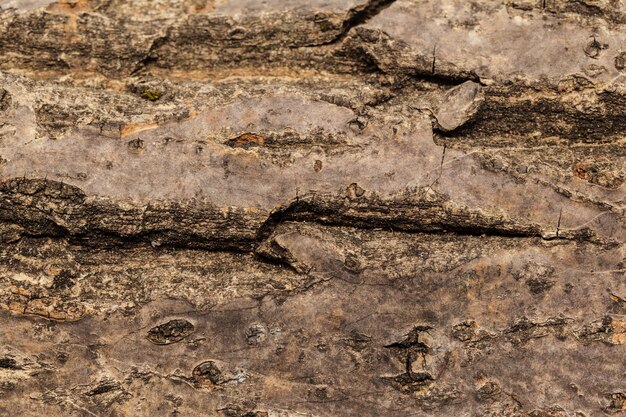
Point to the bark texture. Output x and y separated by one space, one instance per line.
275 208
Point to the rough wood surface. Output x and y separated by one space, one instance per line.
250 208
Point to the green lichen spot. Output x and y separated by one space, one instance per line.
152 95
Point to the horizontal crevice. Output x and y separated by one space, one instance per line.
305 212
359 16
515 112
57 210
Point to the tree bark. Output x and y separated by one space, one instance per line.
312 208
